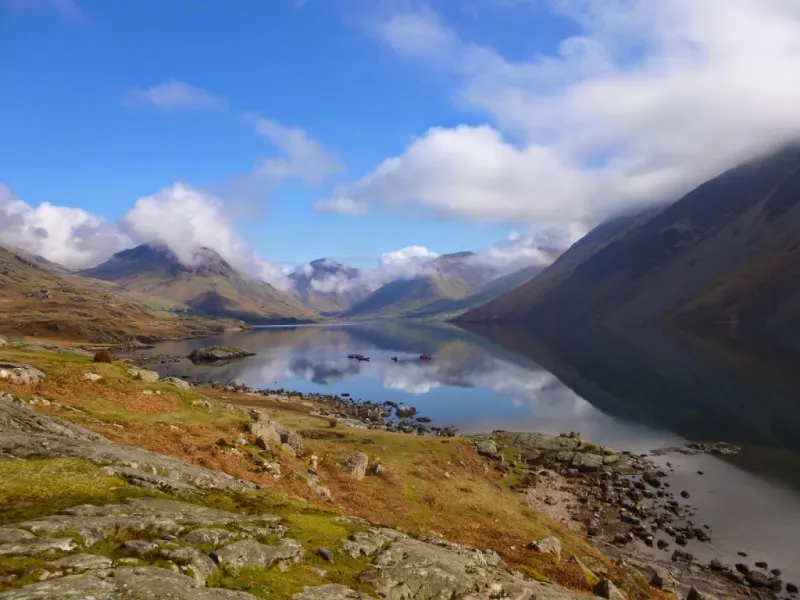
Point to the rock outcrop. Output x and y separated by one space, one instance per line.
217 353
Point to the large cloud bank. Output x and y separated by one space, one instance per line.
644 100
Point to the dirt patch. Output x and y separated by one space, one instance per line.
552 495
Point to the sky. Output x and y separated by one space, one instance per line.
284 131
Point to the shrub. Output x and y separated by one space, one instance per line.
332 422
103 356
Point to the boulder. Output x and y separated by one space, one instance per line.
292 439
218 353
330 592
248 553
548 545
486 448
78 563
191 562
587 463
355 465
20 373
607 589
130 583
39 546
177 382
209 537
145 375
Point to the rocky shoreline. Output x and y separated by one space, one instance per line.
623 502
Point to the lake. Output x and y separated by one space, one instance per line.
633 388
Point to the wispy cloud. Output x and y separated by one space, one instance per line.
67 8
174 95
302 156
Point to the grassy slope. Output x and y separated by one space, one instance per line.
413 494
234 296
80 308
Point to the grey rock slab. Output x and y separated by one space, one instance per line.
78 563
145 375
20 373
248 553
38 546
9 535
330 592
177 382
154 515
368 543
214 537
410 568
606 589
192 562
126 583
548 545
138 548
26 434
486 448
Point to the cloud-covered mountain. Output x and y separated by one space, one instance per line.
328 286
202 282
727 251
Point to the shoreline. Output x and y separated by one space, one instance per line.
619 506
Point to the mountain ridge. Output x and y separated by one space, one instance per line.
207 285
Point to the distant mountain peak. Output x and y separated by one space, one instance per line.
456 256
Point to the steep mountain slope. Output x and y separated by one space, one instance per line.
37 259
210 286
726 251
39 301
448 277
448 308
328 286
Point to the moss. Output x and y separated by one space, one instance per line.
532 573
38 487
22 570
275 584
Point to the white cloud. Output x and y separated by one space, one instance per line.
184 219
68 236
649 99
174 95
534 247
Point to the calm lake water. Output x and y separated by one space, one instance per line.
634 389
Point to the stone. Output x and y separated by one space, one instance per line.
757 579
266 431
355 465
78 563
154 515
792 589
367 543
486 448
695 594
330 592
587 463
8 535
248 553
20 373
292 439
716 565
27 434
138 548
92 377
405 412
325 554
177 382
607 589
38 546
659 578
548 545
145 375
128 583
191 562
211 537
217 353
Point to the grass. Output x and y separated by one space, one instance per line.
34 488
413 494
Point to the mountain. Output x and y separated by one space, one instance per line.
727 251
37 259
207 285
44 302
328 286
448 285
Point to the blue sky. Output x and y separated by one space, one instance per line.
493 115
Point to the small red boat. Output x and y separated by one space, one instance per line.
358 357
425 356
